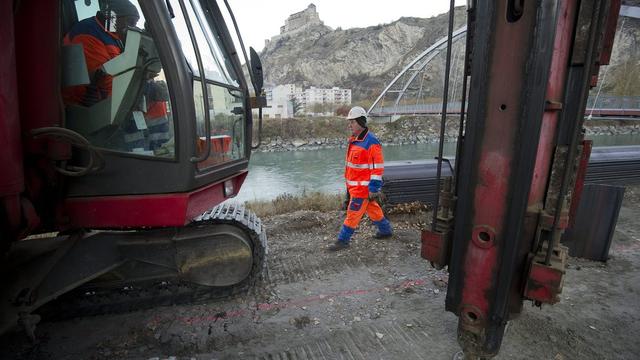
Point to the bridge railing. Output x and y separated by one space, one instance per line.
606 105
613 102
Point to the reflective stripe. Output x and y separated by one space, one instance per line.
159 136
357 166
157 121
357 183
132 137
376 177
365 166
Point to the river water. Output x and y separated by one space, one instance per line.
295 172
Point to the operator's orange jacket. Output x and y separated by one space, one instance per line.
364 165
99 46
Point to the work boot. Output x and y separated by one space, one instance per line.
338 245
380 235
384 229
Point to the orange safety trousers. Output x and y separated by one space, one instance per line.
356 211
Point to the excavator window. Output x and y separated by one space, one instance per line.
218 98
114 86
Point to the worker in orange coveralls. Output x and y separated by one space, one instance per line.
363 174
100 45
156 116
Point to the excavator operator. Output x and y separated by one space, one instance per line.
102 39
363 174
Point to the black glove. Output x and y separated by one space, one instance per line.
345 203
376 196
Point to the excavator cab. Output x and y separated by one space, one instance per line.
127 128
170 113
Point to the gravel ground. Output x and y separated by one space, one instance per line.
378 300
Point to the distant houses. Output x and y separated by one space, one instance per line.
290 100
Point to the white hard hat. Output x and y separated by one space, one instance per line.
356 112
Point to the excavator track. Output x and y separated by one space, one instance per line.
94 299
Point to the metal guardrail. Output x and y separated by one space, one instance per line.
613 102
628 106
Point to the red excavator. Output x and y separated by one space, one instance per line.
521 159
112 192
111 202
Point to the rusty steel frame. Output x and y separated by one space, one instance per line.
529 79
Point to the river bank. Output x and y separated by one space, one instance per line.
280 135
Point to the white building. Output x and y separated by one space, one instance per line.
317 101
279 104
282 101
333 96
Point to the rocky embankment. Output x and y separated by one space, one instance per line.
603 130
412 131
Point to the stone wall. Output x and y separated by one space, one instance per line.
301 19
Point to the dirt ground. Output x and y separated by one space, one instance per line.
378 300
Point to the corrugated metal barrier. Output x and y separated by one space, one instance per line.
415 180
614 165
412 180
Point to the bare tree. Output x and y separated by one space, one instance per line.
318 108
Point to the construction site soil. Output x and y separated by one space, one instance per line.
377 300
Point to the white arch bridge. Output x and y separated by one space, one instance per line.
417 89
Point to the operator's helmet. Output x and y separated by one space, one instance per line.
122 14
356 112
123 8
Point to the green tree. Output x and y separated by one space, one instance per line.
295 104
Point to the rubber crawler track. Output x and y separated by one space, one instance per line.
143 295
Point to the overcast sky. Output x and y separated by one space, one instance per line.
259 19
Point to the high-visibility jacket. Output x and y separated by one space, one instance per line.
99 46
364 165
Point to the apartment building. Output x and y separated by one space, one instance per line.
288 100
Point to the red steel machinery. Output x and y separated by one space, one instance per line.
530 66
123 126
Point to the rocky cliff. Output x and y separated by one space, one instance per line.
362 59
367 59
